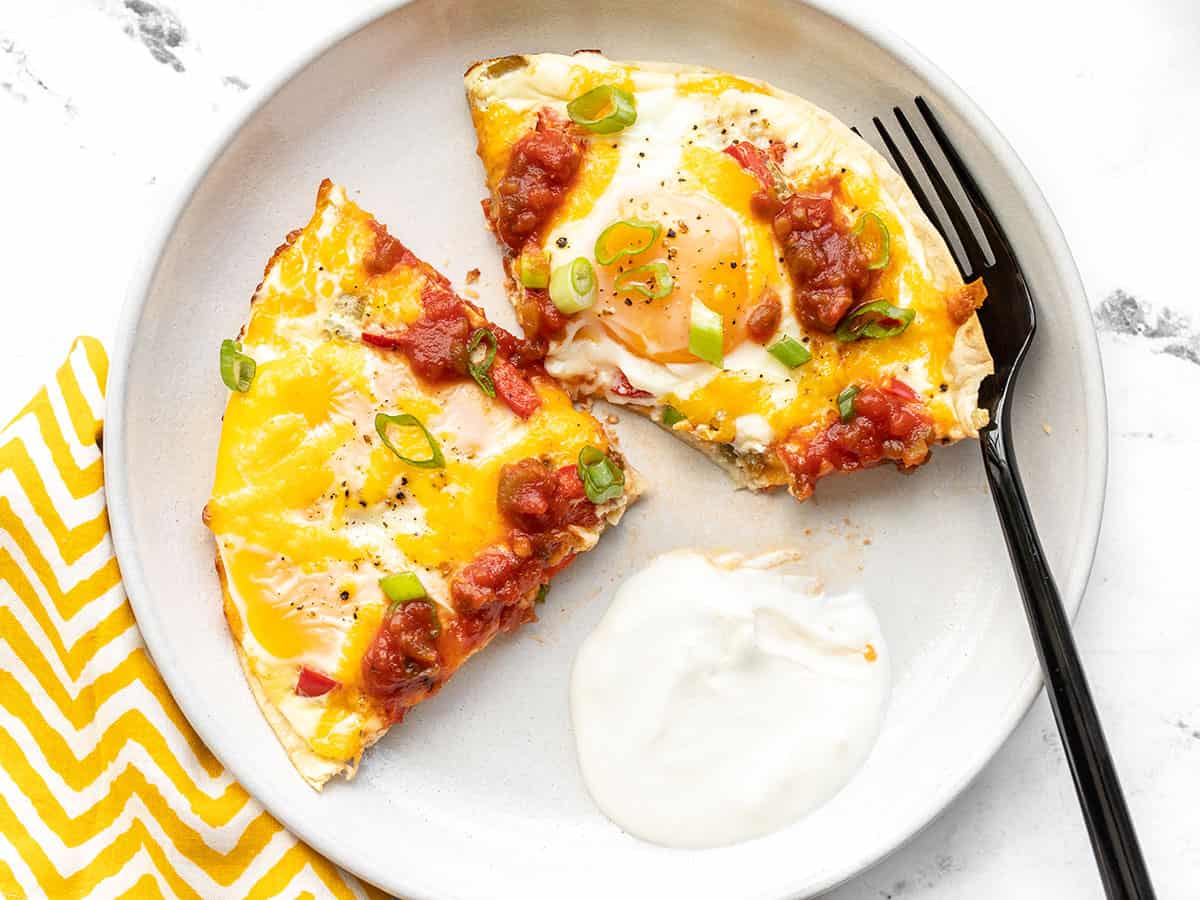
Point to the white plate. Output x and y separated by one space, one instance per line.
478 794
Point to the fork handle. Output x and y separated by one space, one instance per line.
1114 841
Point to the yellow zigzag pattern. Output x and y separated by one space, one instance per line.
129 803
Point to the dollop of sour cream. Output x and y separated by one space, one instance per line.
719 700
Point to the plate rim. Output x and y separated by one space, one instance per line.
163 227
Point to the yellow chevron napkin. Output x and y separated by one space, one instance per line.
105 791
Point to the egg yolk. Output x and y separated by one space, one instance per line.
701 245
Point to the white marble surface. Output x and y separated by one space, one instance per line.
105 104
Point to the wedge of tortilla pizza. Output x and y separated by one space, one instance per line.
398 481
728 259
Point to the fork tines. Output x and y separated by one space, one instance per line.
955 223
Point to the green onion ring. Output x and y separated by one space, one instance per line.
479 370
603 110
640 278
606 256
602 479
573 286
845 402
237 369
882 240
383 420
877 319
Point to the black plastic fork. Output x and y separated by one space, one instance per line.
1009 322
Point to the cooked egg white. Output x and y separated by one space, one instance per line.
721 699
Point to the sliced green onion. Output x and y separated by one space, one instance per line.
652 280
479 370
671 416
237 369
541 594
406 587
845 401
628 237
603 109
873 236
790 352
435 460
573 286
602 479
402 587
877 319
705 335
534 269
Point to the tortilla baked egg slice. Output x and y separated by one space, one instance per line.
729 260
397 482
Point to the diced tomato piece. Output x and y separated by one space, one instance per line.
386 253
538 499
827 267
763 320
437 348
401 666
539 316
312 683
436 343
513 389
385 340
570 485
525 494
754 161
495 579
622 388
439 302
899 388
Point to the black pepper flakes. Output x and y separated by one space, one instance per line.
561 243
345 595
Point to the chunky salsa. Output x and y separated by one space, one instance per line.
888 422
540 171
